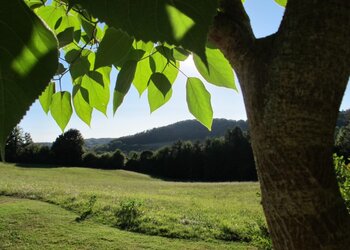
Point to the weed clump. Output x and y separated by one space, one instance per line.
87 212
128 215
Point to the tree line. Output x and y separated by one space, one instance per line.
227 158
217 159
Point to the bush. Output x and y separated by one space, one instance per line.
90 159
129 214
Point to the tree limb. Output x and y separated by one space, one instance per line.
232 32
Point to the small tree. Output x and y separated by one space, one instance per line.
68 148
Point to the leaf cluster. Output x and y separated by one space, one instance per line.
145 41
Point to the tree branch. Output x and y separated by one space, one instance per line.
232 32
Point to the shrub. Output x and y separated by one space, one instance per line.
342 172
87 211
129 214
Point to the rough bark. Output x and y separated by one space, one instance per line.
293 83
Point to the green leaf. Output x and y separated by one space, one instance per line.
142 75
180 54
160 64
89 28
61 108
166 52
198 101
95 81
147 47
46 97
134 55
33 4
81 103
179 22
61 69
219 71
156 98
81 65
283 3
124 80
63 23
28 60
113 48
72 52
161 82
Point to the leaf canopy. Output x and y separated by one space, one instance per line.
144 40
179 22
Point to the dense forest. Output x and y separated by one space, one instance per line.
189 130
189 152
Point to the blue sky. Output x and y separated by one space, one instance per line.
134 115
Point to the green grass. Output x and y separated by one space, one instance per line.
210 212
28 224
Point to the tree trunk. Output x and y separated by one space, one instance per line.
293 83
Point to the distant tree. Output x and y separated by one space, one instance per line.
117 159
14 144
68 148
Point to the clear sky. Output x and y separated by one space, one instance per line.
134 115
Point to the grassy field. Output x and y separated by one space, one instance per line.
198 215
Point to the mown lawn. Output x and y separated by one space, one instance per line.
214 213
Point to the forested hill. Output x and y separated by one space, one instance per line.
189 130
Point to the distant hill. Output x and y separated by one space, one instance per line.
189 130
94 142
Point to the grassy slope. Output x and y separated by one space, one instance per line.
207 211
28 224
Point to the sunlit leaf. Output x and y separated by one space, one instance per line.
161 82
147 47
61 108
198 101
156 99
46 97
63 23
33 4
113 48
81 103
281 2
179 22
159 63
219 70
142 75
124 80
180 54
28 60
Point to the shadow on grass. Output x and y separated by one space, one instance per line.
35 165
